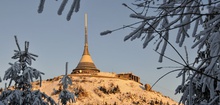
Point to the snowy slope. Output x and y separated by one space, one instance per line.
96 89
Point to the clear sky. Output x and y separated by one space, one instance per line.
57 41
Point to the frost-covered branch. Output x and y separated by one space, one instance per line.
186 12
41 6
74 7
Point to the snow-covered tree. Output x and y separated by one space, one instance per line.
22 74
66 95
198 19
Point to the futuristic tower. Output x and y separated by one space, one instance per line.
86 64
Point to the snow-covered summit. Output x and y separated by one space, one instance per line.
104 89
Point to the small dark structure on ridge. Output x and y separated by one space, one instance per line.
129 76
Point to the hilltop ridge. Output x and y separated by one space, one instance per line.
104 89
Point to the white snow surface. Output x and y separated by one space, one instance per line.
130 93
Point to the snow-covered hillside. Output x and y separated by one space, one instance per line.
104 90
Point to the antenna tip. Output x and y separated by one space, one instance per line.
86 21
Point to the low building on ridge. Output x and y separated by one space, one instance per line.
129 76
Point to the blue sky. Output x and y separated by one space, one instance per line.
57 41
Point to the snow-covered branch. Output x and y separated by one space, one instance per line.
74 7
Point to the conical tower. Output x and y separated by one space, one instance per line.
86 64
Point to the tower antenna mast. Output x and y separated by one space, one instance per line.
86 30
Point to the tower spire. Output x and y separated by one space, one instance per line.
86 64
86 49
